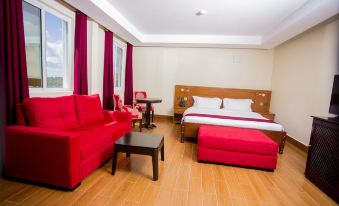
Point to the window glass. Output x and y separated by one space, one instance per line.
117 66
32 29
46 41
56 54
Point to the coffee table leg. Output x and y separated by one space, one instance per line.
163 152
114 160
128 154
155 164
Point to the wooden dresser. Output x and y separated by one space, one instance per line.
322 166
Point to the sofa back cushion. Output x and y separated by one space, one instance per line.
21 116
88 109
51 113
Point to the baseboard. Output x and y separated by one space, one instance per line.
162 116
296 143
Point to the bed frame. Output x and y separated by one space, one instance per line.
183 99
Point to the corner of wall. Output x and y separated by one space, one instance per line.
303 70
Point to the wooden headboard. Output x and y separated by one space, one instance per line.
261 98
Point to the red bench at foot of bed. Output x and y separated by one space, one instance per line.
237 146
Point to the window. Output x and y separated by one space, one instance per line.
32 26
47 46
119 64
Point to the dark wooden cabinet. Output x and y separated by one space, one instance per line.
322 166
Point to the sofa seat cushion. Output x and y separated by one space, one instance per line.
120 129
51 113
95 137
236 140
88 109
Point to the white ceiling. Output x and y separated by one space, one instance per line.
223 17
227 23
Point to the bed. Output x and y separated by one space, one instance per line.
193 117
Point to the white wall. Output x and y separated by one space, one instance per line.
158 69
95 57
302 80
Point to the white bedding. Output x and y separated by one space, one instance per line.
229 122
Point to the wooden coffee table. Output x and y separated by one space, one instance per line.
140 143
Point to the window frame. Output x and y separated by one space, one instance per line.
68 16
123 46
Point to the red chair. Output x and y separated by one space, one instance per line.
142 106
136 114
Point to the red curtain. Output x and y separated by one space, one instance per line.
128 96
14 80
80 54
108 83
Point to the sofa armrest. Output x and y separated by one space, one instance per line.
118 116
42 155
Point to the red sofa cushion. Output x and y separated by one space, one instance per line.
236 139
88 109
96 136
51 113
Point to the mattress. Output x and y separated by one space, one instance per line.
223 117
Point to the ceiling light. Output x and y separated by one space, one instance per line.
201 12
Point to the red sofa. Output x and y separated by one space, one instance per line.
59 141
237 146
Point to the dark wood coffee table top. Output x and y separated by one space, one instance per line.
138 139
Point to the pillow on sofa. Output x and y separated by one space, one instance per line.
88 109
51 113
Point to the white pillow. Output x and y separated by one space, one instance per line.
205 102
243 105
195 103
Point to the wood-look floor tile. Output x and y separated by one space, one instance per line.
37 198
195 198
150 195
7 203
138 190
120 194
183 178
23 194
179 198
236 201
99 201
208 183
182 181
209 199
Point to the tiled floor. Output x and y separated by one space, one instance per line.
182 181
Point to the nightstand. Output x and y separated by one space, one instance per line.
177 115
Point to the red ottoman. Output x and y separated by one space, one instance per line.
237 146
